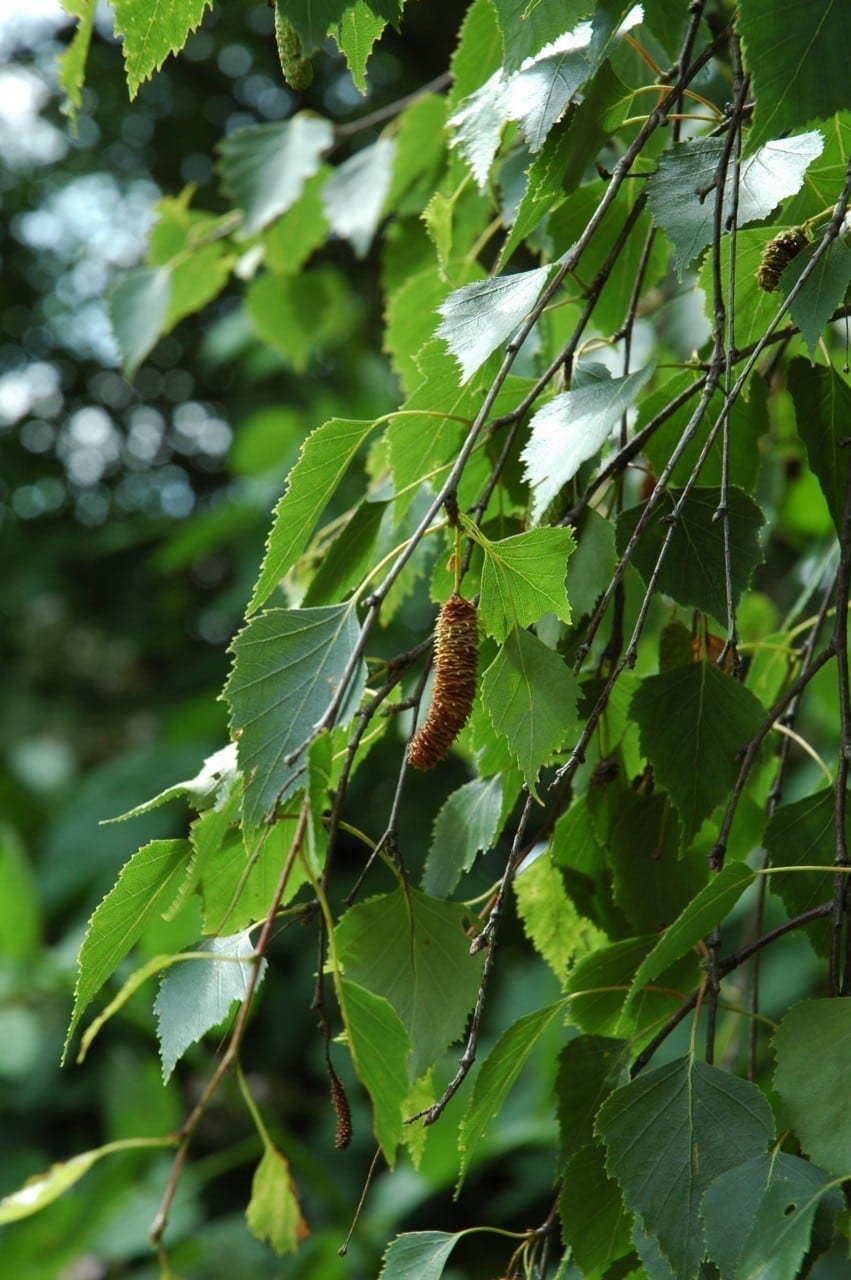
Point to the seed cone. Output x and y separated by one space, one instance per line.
777 255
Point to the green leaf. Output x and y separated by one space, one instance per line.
288 664
652 883
812 1046
477 126
703 1121
196 996
572 427
358 30
479 317
677 191
465 826
138 308
804 834
822 406
151 31
273 1212
523 578
707 908
551 921
526 28
211 784
264 169
379 1047
694 721
301 315
693 569
236 884
43 1189
735 1220
419 1255
530 697
72 63
592 563
354 195
594 1220
479 50
315 19
498 1073
798 57
291 238
146 886
325 457
821 293
781 1232
590 1067
20 910
346 560
412 950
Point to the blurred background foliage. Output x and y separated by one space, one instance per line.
132 519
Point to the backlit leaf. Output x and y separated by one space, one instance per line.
44 1188
551 921
273 1212
151 31
530 696
413 951
523 578
325 457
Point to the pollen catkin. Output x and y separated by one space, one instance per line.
455 661
297 70
777 255
342 1110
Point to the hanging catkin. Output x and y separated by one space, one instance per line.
455 661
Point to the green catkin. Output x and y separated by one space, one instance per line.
298 70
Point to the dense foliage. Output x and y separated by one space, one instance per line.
522 860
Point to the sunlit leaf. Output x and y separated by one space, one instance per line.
151 31
353 197
273 1212
480 316
523 578
43 1189
265 168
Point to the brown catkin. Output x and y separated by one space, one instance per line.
777 255
342 1110
455 662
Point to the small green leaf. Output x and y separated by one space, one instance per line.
703 1121
813 1076
530 696
353 197
43 1189
20 910
571 428
498 1073
551 921
419 1255
72 63
693 570
301 315
594 1221
138 308
347 558
822 401
694 721
358 30
735 1220
413 951
822 291
273 1213
151 31
479 317
288 664
264 169
210 785
379 1047
798 57
781 1232
196 996
465 826
325 457
707 908
523 578
315 19
526 28
146 886
677 190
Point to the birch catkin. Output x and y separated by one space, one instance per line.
455 661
